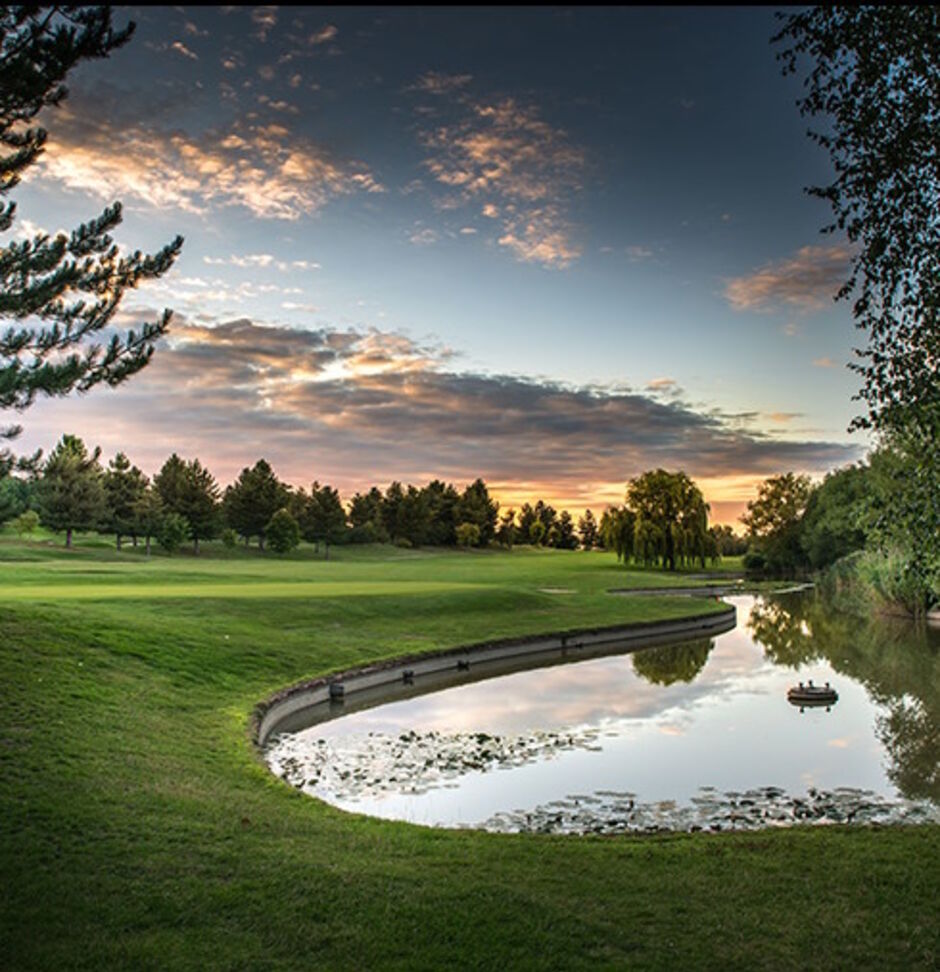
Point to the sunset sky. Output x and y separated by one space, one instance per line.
550 247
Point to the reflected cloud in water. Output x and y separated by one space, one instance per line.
660 723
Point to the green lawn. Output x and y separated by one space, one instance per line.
139 829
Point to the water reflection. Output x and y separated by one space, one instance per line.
896 660
672 663
653 726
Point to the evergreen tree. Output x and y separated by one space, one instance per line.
72 284
391 504
587 530
475 506
169 483
201 504
527 517
190 490
365 518
148 515
564 533
547 516
124 485
442 502
252 500
506 534
325 518
70 491
14 497
414 517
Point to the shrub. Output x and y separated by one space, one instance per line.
468 535
282 532
26 522
229 538
173 532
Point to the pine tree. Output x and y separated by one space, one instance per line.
72 284
148 515
70 491
475 506
124 485
324 518
587 530
190 490
564 532
251 501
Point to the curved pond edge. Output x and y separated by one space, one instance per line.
390 674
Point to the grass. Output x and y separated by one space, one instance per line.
138 828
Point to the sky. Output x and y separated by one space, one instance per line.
551 247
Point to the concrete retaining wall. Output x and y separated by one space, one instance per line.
409 670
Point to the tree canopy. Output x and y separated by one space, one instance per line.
874 82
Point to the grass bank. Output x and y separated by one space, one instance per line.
139 830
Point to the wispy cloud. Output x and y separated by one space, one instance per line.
323 36
502 156
424 236
265 20
181 48
825 362
438 84
264 168
807 281
260 260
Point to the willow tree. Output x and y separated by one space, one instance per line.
671 517
59 295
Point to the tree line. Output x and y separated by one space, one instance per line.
664 520
875 525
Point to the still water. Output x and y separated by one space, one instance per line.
697 735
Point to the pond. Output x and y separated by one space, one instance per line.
688 736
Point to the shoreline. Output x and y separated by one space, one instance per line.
371 684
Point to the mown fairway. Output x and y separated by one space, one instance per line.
138 829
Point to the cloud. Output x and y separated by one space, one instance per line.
260 260
323 36
637 253
181 48
807 281
439 84
260 167
826 362
424 237
264 19
662 384
359 407
502 156
291 305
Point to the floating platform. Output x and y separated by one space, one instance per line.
811 696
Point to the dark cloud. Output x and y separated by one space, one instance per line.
359 407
